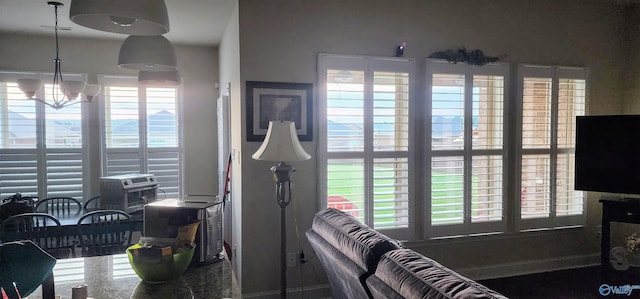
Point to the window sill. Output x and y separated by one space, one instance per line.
483 237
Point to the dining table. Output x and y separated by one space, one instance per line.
69 222
69 227
112 277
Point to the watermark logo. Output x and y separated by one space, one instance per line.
606 290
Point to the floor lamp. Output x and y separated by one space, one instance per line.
281 145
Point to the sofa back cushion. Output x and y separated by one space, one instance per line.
404 273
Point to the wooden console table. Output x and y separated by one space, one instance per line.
618 210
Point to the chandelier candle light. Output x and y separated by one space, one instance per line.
70 89
281 144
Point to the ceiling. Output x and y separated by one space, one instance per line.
197 22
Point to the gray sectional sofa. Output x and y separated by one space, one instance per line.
363 263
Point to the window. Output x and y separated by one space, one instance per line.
41 149
488 166
142 132
551 98
365 140
466 156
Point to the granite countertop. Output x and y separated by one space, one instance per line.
111 277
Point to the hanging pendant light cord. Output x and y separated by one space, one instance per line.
57 74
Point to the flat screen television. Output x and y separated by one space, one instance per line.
608 153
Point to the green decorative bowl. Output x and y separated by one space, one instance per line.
156 269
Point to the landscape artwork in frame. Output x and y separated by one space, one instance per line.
267 101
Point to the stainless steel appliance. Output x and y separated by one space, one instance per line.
128 192
163 218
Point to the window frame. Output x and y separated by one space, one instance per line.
420 228
369 65
555 73
143 148
40 150
439 66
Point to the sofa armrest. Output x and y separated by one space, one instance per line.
345 277
348 250
360 243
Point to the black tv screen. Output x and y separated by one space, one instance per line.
608 153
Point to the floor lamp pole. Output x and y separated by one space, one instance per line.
282 174
283 253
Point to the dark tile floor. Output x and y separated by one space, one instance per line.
573 283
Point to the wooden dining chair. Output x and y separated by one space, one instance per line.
60 207
42 229
104 232
92 204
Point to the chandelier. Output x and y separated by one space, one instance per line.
69 90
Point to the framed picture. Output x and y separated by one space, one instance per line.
268 101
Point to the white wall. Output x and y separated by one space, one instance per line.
280 41
197 64
230 76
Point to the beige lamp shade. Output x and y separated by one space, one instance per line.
134 17
147 53
72 89
29 86
170 78
91 90
281 144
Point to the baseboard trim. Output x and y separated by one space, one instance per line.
318 291
530 267
475 273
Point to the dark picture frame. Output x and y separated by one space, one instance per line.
268 101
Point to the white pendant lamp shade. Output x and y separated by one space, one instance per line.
281 144
72 89
29 86
134 17
147 53
91 90
170 78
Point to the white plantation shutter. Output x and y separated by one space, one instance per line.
466 157
64 150
163 139
41 149
165 165
143 133
122 161
551 99
345 99
345 186
18 172
122 154
64 172
18 153
364 103
122 117
162 120
487 143
572 96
